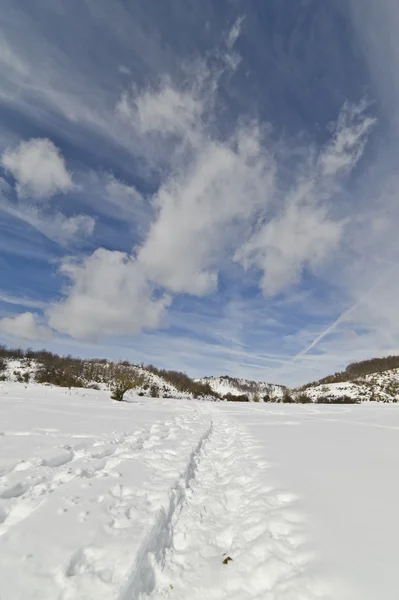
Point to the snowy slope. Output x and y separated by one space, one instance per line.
17 369
23 370
165 389
382 387
235 386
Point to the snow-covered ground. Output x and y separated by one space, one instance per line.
342 463
151 499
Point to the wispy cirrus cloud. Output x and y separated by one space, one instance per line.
22 301
53 225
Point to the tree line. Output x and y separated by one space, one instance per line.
69 371
357 370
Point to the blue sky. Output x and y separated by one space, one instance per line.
209 186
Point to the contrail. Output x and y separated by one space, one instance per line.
331 327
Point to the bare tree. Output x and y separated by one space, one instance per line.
124 379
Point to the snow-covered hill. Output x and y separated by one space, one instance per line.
24 370
236 387
156 383
380 387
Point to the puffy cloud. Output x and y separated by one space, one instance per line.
109 294
203 210
38 168
211 189
302 236
24 326
54 225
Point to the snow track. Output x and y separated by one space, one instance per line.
109 505
143 579
234 537
28 483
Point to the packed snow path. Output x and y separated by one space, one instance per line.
235 537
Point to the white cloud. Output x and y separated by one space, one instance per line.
234 33
38 168
211 189
203 210
108 295
127 204
55 226
302 236
117 206
351 132
25 327
120 192
21 301
72 227
166 111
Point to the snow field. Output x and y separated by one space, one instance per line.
81 520
343 462
162 499
139 500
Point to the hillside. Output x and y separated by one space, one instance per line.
65 371
371 380
360 369
233 386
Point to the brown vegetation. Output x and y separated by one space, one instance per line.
124 379
358 370
67 371
183 382
232 398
